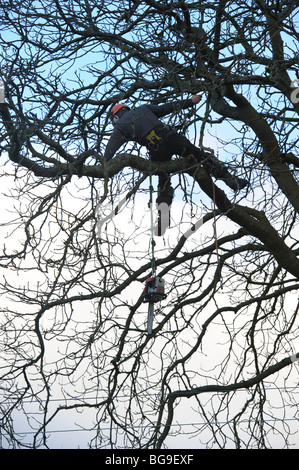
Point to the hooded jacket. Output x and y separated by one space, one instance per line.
136 124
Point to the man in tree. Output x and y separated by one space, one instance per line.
142 125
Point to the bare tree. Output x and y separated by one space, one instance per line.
219 369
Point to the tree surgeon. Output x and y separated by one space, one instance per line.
142 125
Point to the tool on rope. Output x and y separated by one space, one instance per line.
154 285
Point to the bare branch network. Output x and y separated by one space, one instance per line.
220 367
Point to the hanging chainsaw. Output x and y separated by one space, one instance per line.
153 292
154 286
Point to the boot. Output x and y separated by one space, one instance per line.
163 201
217 169
165 195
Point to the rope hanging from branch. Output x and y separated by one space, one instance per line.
154 285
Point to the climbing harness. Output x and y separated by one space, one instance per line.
154 286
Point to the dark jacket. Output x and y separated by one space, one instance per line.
136 124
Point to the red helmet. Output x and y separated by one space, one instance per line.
117 107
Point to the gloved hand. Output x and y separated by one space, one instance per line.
196 99
242 183
236 184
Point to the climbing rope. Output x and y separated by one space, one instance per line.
153 243
154 285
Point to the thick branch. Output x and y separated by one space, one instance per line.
246 113
253 221
244 384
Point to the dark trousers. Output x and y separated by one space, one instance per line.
177 144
